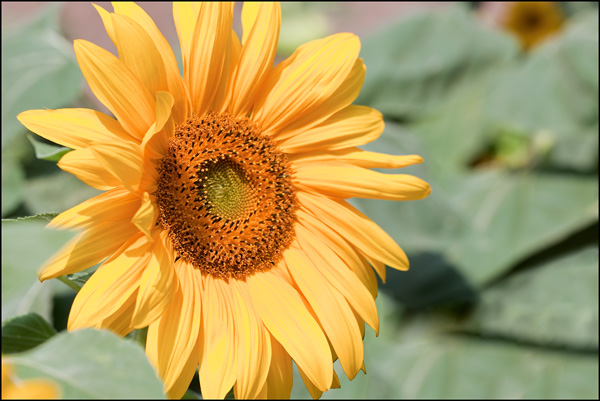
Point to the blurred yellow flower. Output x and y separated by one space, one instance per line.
224 219
14 388
530 21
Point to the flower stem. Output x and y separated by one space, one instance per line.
139 336
69 283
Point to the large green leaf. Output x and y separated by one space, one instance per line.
485 221
26 245
554 90
12 184
554 303
39 70
55 192
414 359
25 332
91 364
414 64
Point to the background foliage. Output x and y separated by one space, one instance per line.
502 297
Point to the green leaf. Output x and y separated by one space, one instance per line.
554 303
26 245
91 363
56 191
25 332
12 184
414 63
483 222
39 70
555 90
413 358
79 279
46 151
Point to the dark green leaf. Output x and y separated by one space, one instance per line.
554 303
46 151
91 363
25 332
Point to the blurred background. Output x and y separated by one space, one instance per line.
500 99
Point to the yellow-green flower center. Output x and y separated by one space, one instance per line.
225 196
227 189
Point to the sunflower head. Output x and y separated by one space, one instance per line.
224 227
532 22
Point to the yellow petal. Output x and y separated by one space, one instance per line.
145 217
222 99
253 344
30 389
158 282
218 365
356 157
120 321
314 392
115 205
347 181
354 259
139 53
87 249
280 378
178 332
353 225
351 126
261 23
116 87
111 285
123 160
73 128
156 141
331 308
174 81
204 55
337 274
185 15
284 314
315 73
83 164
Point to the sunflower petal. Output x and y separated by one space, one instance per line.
351 126
139 53
284 314
356 157
218 365
116 87
145 217
87 249
158 283
280 378
115 205
261 23
347 181
253 345
331 308
83 164
339 277
178 331
111 285
174 81
205 55
123 160
73 128
303 85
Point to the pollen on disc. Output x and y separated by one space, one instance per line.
225 196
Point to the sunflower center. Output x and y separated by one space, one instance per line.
225 196
227 190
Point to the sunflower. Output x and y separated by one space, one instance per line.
224 227
531 22
14 388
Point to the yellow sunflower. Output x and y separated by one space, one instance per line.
224 227
531 22
14 388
